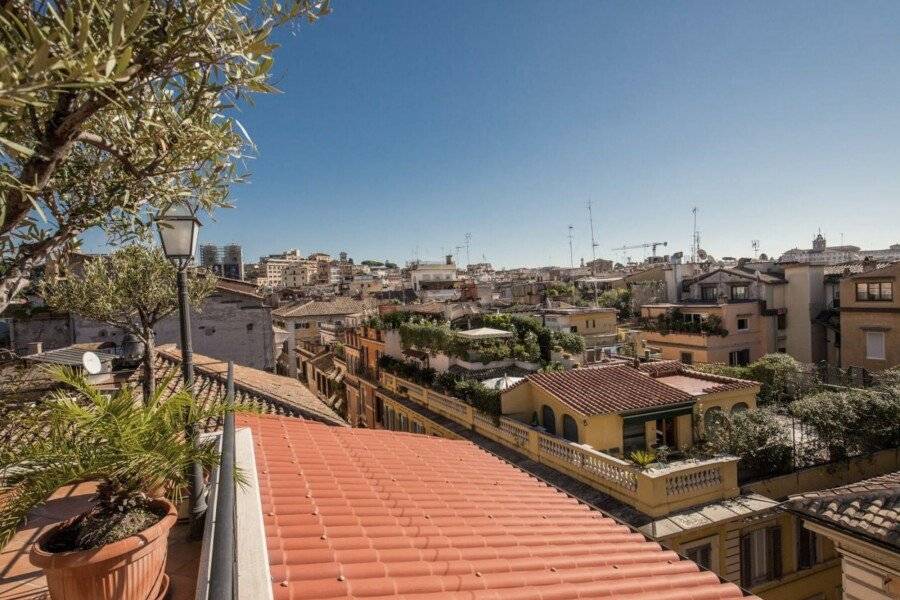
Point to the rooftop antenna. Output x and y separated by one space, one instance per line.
755 245
695 239
468 243
458 248
571 255
594 243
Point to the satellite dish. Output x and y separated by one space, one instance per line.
91 363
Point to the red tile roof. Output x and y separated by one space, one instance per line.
608 389
359 513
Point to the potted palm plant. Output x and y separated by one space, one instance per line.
138 454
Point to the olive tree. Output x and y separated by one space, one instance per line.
112 109
132 289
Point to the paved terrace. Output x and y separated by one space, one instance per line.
20 580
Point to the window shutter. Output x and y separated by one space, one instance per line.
745 562
774 545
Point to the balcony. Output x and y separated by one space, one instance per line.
656 492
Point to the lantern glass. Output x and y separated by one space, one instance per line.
178 229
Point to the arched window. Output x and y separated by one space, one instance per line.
739 407
713 418
570 429
548 419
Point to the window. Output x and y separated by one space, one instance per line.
687 358
704 552
739 358
760 556
875 291
570 429
807 547
574 328
708 292
739 292
743 323
692 318
782 321
875 345
702 555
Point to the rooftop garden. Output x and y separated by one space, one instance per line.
532 341
806 426
471 391
674 321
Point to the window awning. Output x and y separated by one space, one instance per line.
662 412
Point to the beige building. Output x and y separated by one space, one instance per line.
596 325
728 315
428 274
870 319
861 520
299 274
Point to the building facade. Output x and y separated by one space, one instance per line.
870 319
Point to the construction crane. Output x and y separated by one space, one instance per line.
652 245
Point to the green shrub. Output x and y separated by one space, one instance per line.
757 437
620 299
851 421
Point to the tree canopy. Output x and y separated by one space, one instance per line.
112 109
132 289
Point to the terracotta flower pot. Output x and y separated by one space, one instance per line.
130 569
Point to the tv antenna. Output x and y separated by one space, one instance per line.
594 243
695 238
571 255
468 243
755 245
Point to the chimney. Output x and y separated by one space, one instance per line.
35 348
449 258
868 264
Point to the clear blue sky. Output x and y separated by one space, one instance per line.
408 124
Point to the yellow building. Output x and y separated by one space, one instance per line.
596 325
862 521
870 319
620 408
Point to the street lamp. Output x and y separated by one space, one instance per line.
179 229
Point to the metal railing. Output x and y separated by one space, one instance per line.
221 570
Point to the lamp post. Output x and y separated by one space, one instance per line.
179 229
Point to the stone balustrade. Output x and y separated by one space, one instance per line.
653 491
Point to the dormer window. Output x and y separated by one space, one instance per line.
739 292
708 292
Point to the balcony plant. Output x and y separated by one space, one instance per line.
643 458
140 457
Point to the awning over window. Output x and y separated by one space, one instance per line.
662 412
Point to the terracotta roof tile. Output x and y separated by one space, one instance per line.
608 389
272 393
337 306
358 513
870 508
237 286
